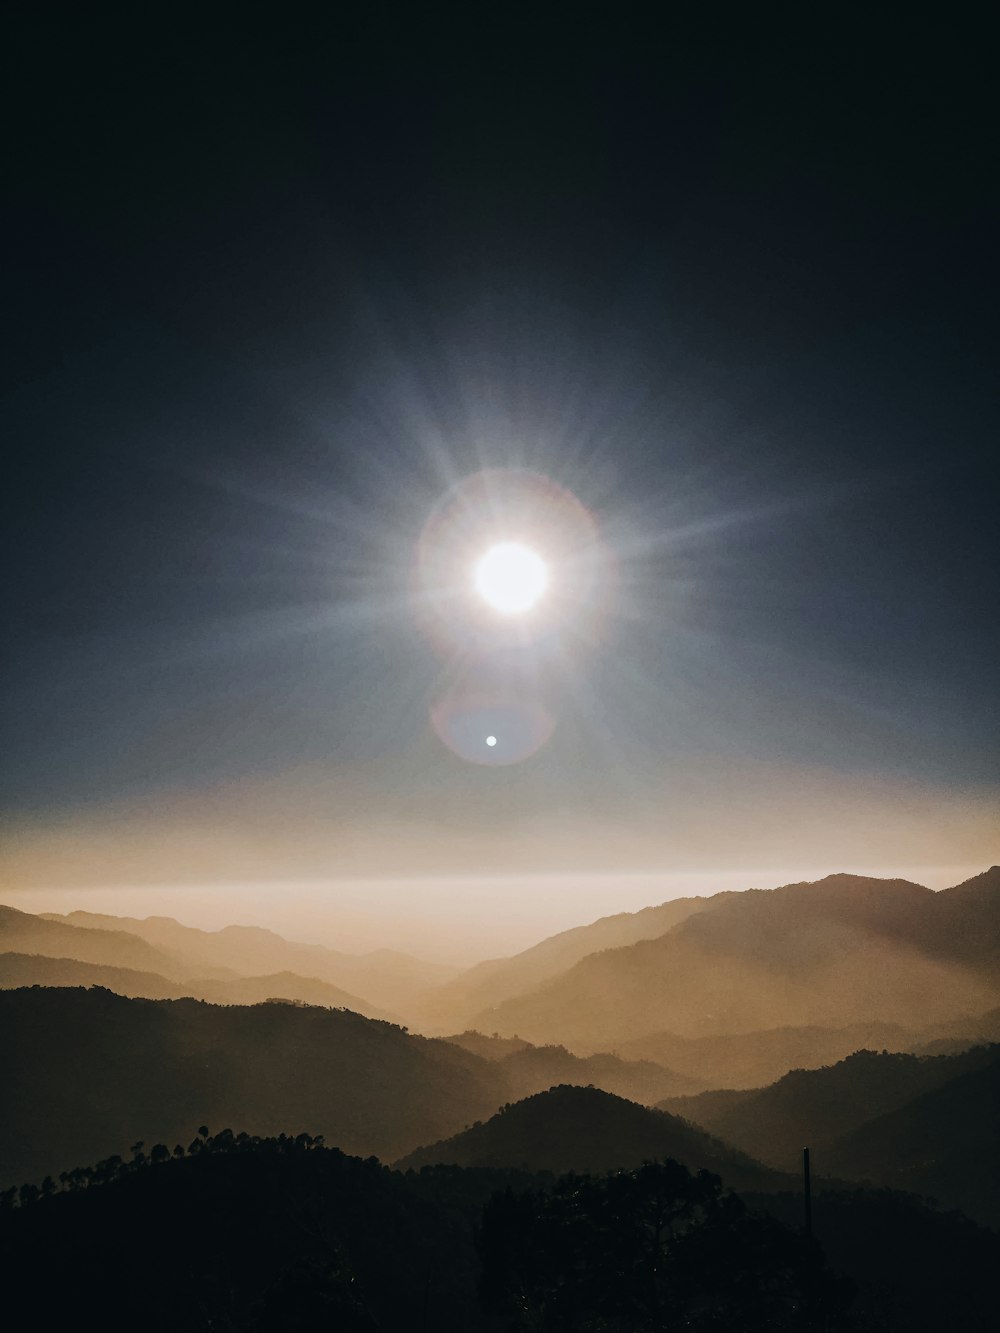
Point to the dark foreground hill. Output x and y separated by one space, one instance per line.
844 950
86 1073
585 1129
282 1234
914 1268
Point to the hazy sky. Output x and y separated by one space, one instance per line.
276 292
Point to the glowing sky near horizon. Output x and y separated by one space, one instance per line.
458 919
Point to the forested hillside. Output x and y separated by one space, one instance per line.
87 1073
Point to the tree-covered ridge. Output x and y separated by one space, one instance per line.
943 1144
254 1234
922 1123
818 1106
88 1072
651 1249
584 1129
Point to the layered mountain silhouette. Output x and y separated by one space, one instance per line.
818 1106
385 978
88 1072
753 1059
944 1144
91 1071
584 1129
35 970
732 991
531 1069
108 945
845 950
457 1002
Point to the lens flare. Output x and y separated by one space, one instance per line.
515 725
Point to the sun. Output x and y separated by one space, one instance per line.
511 578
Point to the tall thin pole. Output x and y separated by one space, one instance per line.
808 1191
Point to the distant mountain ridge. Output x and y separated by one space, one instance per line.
844 950
385 978
529 1069
754 1059
24 933
37 970
457 1002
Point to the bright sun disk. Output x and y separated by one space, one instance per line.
511 577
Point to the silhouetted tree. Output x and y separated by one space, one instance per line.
647 1250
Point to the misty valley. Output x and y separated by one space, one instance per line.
230 1130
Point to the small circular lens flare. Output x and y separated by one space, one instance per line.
513 725
511 578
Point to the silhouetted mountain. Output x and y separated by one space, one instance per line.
288 986
490 1048
23 969
585 1129
34 970
385 978
815 1107
536 1068
845 950
20 932
489 983
964 921
87 1072
752 1059
944 1144
959 1034
532 1069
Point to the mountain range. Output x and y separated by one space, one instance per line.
18 969
842 951
741 997
384 977
88 1072
459 1001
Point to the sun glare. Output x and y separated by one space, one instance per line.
511 577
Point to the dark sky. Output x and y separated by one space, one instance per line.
276 282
